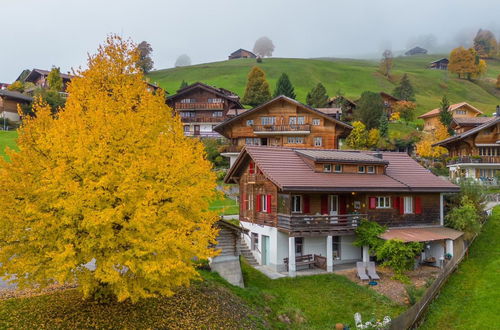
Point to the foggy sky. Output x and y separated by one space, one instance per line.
43 33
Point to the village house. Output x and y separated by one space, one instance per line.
345 105
475 153
441 64
458 110
201 107
389 102
283 121
241 53
9 100
39 78
416 51
303 204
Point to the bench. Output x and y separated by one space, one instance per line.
305 260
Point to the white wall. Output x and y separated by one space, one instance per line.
12 116
348 252
205 128
315 245
436 250
272 232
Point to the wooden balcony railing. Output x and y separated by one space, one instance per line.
256 178
308 224
205 119
204 134
232 148
474 160
282 128
199 106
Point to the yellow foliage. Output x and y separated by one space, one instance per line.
111 180
425 148
464 63
358 138
373 137
395 116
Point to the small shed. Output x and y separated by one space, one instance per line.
416 51
227 263
441 64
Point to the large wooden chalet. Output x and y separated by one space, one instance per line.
201 107
283 122
307 201
39 78
458 110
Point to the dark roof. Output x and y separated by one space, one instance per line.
289 171
242 50
219 127
15 95
471 121
41 72
470 132
416 50
227 94
344 156
334 99
444 59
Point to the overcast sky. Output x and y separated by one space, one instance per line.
43 33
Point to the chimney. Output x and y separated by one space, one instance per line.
498 111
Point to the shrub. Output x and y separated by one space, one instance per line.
399 256
464 218
414 294
367 234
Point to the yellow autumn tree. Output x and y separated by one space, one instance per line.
424 146
109 193
373 137
466 63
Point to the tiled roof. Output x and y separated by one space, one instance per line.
471 121
495 121
235 112
435 112
330 111
288 170
321 155
15 95
219 91
421 234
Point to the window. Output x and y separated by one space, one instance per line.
252 141
370 169
299 244
361 169
263 203
187 114
250 202
301 120
292 120
296 204
489 151
267 120
250 122
217 114
337 168
214 100
327 167
316 122
255 241
318 141
297 120
186 128
408 205
383 202
336 247
460 112
188 101
295 140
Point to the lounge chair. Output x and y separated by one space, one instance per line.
361 271
370 267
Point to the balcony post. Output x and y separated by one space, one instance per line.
329 254
291 257
441 210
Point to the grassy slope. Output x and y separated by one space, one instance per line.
351 76
7 139
470 298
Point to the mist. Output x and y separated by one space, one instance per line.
40 34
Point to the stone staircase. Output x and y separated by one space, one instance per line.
247 254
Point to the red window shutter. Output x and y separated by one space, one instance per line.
395 202
258 203
401 205
251 167
418 205
342 205
324 204
372 202
307 204
268 203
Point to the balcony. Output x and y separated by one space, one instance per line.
204 119
204 134
474 160
282 129
311 225
256 178
231 148
199 106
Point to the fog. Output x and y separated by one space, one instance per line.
40 34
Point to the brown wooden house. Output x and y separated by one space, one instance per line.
9 100
39 78
441 64
241 53
458 110
283 121
303 202
346 106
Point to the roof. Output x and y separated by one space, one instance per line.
322 155
330 111
440 60
389 96
41 72
333 99
227 224
435 112
15 95
235 112
421 234
471 121
470 132
219 128
242 50
227 94
416 50
288 170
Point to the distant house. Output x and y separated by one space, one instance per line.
4 85
346 106
416 51
389 101
241 53
8 104
39 78
441 64
458 110
464 124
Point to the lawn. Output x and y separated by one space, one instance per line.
7 139
471 297
225 206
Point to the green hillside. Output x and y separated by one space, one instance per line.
350 76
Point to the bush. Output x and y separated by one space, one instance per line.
367 234
464 218
213 148
414 294
399 256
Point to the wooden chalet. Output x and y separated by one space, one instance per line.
475 153
283 121
458 110
345 105
9 100
241 53
441 64
201 107
39 78
416 51
298 202
389 102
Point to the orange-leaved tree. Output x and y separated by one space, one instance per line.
108 193
424 146
466 63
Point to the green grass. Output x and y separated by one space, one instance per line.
471 297
351 76
225 206
7 139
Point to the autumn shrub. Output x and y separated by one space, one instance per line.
413 293
399 256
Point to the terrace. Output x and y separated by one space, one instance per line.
199 106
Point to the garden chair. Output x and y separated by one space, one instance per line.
361 271
370 267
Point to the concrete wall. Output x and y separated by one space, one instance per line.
229 269
348 252
272 232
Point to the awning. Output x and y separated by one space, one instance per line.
421 234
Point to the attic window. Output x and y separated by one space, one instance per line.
327 167
460 112
361 169
370 169
316 122
337 168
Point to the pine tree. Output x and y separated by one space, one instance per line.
284 87
257 90
405 90
54 80
317 97
111 180
384 126
370 108
445 115
184 84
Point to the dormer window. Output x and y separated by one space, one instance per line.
361 169
460 112
370 169
337 168
327 168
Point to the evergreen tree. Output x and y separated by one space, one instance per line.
317 97
54 80
184 84
284 87
405 90
445 115
370 108
384 126
257 90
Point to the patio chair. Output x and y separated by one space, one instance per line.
370 267
361 271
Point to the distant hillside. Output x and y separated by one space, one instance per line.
349 75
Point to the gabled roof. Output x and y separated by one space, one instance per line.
440 60
415 50
470 121
330 111
15 95
224 93
288 170
39 72
219 127
494 121
333 99
453 107
389 96
242 50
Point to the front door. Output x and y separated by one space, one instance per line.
196 129
334 204
265 250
